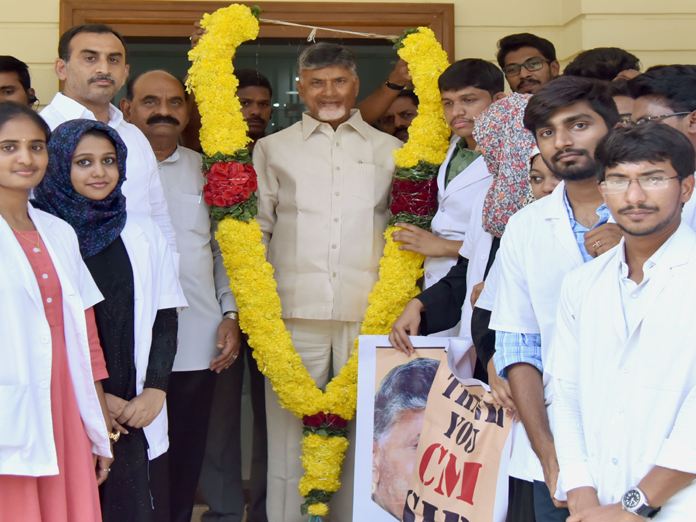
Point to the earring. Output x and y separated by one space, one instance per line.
373 487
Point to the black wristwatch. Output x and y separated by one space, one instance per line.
634 501
394 87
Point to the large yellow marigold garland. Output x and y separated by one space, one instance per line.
230 192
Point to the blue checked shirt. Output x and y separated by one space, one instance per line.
513 348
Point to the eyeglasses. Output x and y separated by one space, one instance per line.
620 185
533 64
655 118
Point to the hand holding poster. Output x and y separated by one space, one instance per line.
460 473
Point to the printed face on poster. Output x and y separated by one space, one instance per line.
392 393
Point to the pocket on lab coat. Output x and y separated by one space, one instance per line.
15 408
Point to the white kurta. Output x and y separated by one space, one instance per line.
26 427
142 187
201 270
156 287
634 371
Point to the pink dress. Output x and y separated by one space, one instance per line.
70 496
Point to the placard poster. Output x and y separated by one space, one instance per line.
392 393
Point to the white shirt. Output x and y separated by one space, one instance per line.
455 207
156 287
27 446
142 187
625 399
323 209
201 270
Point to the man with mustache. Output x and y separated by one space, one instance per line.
467 87
209 337
624 373
92 64
528 62
399 115
324 186
541 244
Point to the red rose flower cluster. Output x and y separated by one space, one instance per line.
418 198
229 184
322 419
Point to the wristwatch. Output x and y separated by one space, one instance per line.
231 315
394 86
634 501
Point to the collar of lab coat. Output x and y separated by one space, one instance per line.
677 251
13 251
476 171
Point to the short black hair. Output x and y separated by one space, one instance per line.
12 64
515 42
12 110
133 79
651 142
564 92
619 88
253 78
64 43
675 83
408 93
472 72
602 63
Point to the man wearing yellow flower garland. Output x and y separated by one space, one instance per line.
324 186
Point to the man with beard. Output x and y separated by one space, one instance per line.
209 336
399 411
399 115
324 186
528 62
254 93
624 375
92 64
541 244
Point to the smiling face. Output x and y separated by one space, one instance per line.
640 212
329 93
529 82
23 155
461 108
94 171
96 70
393 460
568 140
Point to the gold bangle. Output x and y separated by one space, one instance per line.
114 436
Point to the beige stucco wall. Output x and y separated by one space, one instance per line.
657 31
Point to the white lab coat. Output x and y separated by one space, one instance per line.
536 252
636 385
26 428
476 248
156 287
454 210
